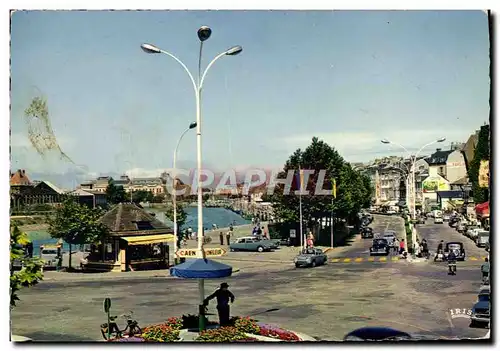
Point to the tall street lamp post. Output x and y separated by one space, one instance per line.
174 188
203 34
413 160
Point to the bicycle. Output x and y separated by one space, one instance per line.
131 329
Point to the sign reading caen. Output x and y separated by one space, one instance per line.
212 252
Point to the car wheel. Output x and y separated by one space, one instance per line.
297 266
230 249
313 264
260 249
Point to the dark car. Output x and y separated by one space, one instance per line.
367 233
379 247
481 310
376 334
457 247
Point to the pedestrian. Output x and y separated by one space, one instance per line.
265 233
190 233
259 231
221 237
228 237
485 268
224 297
402 246
310 240
395 245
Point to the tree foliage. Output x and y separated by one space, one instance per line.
115 194
181 218
482 152
76 224
353 188
31 271
142 196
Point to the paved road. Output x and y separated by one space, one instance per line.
325 302
434 233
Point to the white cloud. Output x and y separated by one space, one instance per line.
365 144
145 173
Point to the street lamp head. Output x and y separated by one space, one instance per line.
440 140
235 50
150 49
204 33
385 141
193 125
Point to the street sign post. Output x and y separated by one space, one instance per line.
209 252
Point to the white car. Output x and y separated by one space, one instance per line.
438 220
472 232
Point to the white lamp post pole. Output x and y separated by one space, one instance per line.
174 189
203 34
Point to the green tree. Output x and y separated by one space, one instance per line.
158 198
353 189
76 224
142 196
317 156
31 271
482 152
181 219
115 194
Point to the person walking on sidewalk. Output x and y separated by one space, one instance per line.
224 297
485 269
228 236
401 246
221 237
395 246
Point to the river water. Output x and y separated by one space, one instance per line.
211 215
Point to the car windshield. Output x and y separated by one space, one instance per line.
380 242
454 246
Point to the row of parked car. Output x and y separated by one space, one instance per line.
471 230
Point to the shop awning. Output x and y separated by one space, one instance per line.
483 209
148 239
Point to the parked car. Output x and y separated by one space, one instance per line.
379 246
367 233
457 247
483 238
481 310
310 257
49 256
461 226
275 243
438 220
250 244
472 232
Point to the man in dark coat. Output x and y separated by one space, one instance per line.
224 296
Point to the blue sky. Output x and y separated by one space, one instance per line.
351 78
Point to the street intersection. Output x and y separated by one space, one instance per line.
325 302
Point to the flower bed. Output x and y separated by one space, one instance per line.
240 329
